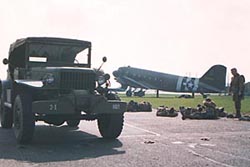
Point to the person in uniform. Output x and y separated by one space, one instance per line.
210 108
237 90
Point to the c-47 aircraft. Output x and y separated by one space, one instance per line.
213 81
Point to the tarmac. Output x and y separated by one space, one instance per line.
146 141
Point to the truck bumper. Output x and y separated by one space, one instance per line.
110 107
58 106
68 105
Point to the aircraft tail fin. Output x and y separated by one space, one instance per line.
215 78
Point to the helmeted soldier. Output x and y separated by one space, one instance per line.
210 108
207 111
166 112
237 89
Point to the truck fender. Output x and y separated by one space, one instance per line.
6 92
27 86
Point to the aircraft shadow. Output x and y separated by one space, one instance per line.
53 144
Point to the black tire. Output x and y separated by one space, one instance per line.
73 123
58 122
53 120
129 93
6 115
141 94
110 125
24 119
112 96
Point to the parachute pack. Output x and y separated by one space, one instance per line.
242 78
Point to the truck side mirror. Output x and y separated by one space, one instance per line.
104 59
5 61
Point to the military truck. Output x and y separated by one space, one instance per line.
51 80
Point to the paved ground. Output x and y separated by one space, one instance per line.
146 141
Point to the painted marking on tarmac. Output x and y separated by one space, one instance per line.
225 153
192 145
177 142
209 145
209 159
141 129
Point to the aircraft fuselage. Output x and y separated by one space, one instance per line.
212 81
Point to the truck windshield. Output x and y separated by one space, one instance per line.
58 55
38 59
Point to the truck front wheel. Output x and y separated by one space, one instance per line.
73 123
6 115
110 125
24 119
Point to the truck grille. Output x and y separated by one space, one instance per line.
77 80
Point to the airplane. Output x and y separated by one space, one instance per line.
213 81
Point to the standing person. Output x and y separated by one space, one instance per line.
237 88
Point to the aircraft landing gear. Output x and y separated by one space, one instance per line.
129 93
139 93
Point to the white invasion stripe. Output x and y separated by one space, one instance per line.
186 84
178 85
196 84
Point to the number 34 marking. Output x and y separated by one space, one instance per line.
53 107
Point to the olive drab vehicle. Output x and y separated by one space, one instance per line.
51 80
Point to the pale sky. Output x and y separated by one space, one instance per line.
182 37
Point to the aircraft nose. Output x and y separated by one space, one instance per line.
116 73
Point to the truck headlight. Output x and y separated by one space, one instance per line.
101 80
48 79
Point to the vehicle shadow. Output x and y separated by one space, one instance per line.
53 144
